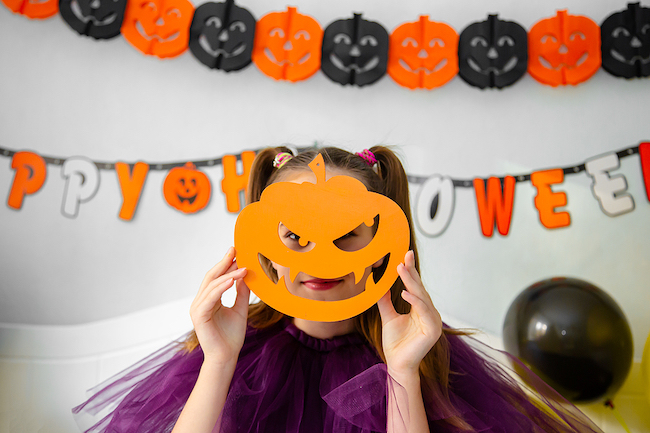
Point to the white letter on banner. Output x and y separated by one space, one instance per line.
434 205
82 182
609 190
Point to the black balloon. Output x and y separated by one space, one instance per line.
100 19
355 51
492 53
625 42
222 36
573 335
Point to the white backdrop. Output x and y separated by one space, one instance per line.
64 95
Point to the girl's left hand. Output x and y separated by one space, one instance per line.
407 338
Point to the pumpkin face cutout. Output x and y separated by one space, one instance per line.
423 54
100 19
492 53
625 39
288 45
158 27
355 51
320 213
187 189
222 36
564 49
33 8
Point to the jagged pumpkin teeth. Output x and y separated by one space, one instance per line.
320 211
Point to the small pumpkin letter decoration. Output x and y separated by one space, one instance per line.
320 213
187 189
564 49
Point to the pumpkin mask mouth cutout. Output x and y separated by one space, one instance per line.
319 217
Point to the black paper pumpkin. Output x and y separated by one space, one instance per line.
625 42
222 36
100 19
492 53
355 51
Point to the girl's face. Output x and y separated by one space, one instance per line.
310 286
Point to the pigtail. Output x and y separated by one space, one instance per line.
434 368
261 171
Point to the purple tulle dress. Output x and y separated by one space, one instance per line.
288 381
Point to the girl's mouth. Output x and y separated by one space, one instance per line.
320 284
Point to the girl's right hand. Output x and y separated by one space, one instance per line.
221 330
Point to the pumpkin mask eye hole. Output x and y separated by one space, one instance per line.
358 238
294 241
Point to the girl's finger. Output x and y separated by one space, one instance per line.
204 310
221 267
235 274
242 300
426 313
412 285
409 262
386 309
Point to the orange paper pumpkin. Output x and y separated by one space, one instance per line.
33 8
423 54
158 27
288 45
564 49
320 213
187 189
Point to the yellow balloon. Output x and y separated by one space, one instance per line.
645 367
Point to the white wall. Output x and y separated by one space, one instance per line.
65 95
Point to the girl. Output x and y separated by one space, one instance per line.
395 367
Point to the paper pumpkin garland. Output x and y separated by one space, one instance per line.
564 49
100 19
625 37
158 27
423 54
187 189
320 213
492 53
222 36
288 45
355 51
33 8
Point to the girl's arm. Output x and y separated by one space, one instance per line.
220 331
406 339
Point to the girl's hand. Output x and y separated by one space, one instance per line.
220 329
407 338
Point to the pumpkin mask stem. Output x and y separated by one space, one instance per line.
318 167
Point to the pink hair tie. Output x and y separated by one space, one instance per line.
368 156
281 159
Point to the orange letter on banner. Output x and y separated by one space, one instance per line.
644 153
495 204
232 182
29 178
131 185
546 200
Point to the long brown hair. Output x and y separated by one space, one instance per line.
387 178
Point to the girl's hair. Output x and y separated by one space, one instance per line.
387 178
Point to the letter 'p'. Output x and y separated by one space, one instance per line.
31 172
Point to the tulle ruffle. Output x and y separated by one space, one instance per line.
287 381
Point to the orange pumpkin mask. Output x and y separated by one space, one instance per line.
288 45
33 8
320 213
158 27
187 189
423 54
564 49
